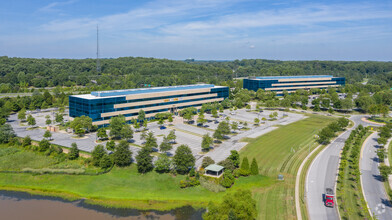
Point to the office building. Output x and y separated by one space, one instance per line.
290 84
102 105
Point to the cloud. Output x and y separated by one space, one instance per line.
53 7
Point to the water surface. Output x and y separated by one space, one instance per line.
21 205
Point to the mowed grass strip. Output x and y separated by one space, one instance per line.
272 149
281 151
125 187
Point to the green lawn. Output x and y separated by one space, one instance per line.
282 151
380 119
16 159
126 187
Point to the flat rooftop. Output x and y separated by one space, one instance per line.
294 77
125 92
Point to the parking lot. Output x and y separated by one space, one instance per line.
187 133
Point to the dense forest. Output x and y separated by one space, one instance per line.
17 74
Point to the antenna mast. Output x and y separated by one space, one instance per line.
98 63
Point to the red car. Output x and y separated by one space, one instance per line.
328 198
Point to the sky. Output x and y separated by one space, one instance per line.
200 29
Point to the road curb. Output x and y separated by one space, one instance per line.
360 177
298 179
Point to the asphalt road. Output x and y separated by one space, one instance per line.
372 186
323 172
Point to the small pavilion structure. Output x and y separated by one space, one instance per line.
214 170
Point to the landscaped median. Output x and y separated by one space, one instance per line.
349 197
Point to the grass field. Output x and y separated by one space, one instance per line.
281 151
125 187
16 159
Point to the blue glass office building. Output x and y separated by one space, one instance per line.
290 84
102 105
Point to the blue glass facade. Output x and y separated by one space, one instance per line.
97 103
274 83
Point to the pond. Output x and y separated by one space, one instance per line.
21 205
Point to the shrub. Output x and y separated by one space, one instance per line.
106 162
44 145
97 155
207 161
245 171
211 186
254 168
26 141
74 152
228 179
122 155
227 164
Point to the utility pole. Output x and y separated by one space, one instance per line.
98 63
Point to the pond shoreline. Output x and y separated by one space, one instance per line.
20 194
144 205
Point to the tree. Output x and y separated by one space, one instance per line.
97 154
316 108
172 136
224 128
30 120
101 133
382 141
183 159
145 123
214 112
79 130
116 125
254 168
143 136
26 141
59 118
141 115
234 125
170 118
227 164
163 164
228 179
6 133
144 160
237 205
22 114
48 122
151 141
84 122
235 158
347 103
126 132
165 145
44 145
74 152
206 142
122 156
256 121
106 162
47 134
245 171
207 161
201 119
110 145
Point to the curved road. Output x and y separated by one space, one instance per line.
372 186
323 172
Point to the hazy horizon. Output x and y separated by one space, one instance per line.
218 30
